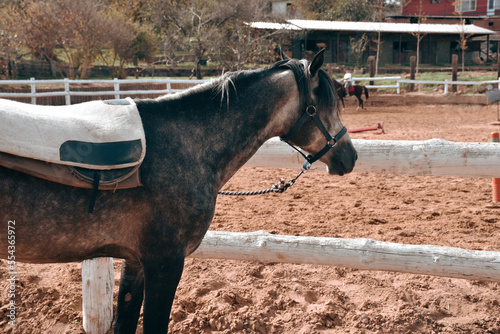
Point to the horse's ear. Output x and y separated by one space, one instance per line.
283 55
317 63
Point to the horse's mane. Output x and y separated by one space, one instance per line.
301 73
223 88
234 79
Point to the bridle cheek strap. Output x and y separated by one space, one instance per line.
330 141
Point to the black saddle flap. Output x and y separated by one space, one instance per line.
101 154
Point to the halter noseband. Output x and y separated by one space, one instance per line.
330 141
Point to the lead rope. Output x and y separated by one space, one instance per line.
279 187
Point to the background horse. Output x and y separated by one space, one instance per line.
356 90
196 141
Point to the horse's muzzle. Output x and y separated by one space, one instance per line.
343 159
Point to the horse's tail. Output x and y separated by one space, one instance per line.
366 92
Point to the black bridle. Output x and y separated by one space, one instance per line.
330 141
282 185
310 112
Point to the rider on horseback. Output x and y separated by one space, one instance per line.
346 80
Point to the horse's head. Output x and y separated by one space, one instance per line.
339 88
317 128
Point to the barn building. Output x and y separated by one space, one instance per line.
396 42
451 9
481 13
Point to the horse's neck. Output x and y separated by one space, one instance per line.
219 137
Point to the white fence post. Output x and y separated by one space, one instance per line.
66 90
117 88
446 86
169 86
33 91
98 282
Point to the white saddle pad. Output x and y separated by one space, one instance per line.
74 135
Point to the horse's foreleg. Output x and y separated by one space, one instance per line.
130 298
161 280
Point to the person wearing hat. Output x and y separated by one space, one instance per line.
346 80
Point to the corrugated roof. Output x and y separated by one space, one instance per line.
425 28
274 26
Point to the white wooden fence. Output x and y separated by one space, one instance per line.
398 81
395 85
116 92
431 157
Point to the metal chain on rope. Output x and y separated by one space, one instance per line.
279 187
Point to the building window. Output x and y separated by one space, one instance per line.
465 5
435 1
493 4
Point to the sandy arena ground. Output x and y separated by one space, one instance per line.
220 296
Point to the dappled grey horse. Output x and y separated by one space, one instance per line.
196 141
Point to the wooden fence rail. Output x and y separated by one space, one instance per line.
434 157
398 81
116 92
365 254
431 157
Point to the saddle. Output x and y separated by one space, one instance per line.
97 145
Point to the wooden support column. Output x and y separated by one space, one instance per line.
413 66
371 68
454 71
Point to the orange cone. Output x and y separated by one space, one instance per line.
496 189
495 183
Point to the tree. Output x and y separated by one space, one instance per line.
358 47
144 46
419 35
75 27
312 9
42 27
343 10
191 26
212 29
352 10
73 34
379 42
89 29
124 41
460 7
241 43
10 42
